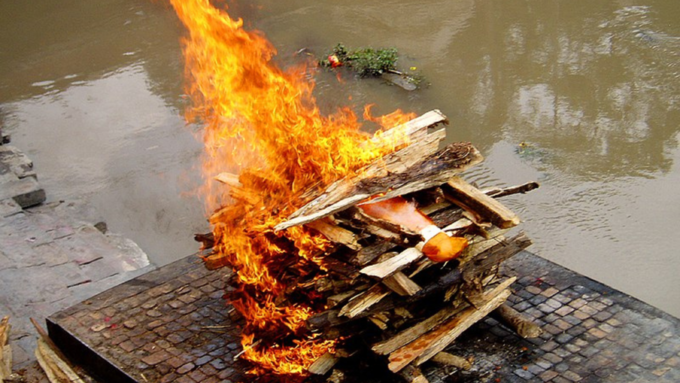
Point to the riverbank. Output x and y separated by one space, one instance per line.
52 255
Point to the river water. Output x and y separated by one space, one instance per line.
583 97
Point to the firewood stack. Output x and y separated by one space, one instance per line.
380 289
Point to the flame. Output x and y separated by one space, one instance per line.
263 123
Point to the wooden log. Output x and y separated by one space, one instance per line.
470 198
452 360
517 321
413 374
401 284
431 343
364 301
335 233
385 269
324 364
433 170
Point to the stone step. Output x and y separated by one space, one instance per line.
26 192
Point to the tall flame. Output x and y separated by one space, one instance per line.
263 123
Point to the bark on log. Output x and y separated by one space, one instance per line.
517 321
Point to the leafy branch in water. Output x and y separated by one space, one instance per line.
364 61
373 62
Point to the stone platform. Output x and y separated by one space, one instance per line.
172 325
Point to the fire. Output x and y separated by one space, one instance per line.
262 122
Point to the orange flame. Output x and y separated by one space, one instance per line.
263 123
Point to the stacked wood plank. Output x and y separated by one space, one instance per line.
379 286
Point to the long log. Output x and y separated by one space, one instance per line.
428 345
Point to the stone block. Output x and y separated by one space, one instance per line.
26 192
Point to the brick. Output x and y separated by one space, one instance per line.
596 332
548 375
564 310
185 368
155 358
577 303
549 292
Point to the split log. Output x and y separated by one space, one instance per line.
517 321
428 345
452 360
385 269
472 199
401 284
56 369
364 301
5 350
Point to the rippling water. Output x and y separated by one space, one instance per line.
93 92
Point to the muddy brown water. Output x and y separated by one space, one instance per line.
92 91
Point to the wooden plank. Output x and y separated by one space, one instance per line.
385 269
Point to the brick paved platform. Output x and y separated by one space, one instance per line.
171 325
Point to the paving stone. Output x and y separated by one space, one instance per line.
548 375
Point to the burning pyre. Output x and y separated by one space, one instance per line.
262 122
